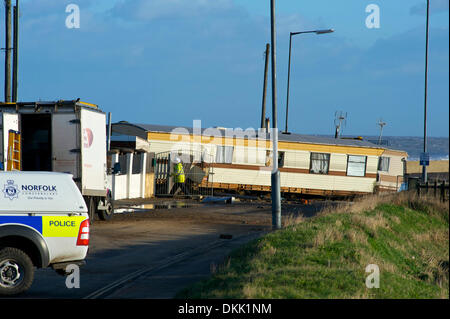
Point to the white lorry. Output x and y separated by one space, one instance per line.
60 136
43 223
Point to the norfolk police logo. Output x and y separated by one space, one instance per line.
11 190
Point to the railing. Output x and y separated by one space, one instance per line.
435 188
197 167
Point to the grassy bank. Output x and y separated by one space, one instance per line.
326 256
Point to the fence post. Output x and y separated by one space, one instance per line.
143 173
443 191
169 171
129 173
114 159
418 189
435 188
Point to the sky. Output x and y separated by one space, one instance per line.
174 61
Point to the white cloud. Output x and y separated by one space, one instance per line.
146 10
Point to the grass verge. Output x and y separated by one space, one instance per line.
326 256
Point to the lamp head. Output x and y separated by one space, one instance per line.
325 31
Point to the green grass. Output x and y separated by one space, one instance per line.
326 256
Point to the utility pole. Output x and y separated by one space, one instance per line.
263 112
275 177
15 53
7 50
424 167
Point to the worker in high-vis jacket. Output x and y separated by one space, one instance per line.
179 178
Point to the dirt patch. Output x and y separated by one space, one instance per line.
156 225
147 226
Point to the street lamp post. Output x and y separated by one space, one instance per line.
275 176
289 66
424 167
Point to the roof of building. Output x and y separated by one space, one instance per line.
250 134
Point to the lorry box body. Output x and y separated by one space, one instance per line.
44 216
61 136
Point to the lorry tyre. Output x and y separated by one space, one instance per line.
92 209
16 271
109 211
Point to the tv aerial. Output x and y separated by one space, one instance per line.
340 121
381 124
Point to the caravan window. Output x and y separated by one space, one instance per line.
224 154
281 156
320 163
356 165
383 164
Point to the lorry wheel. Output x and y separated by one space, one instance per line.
16 271
92 209
109 211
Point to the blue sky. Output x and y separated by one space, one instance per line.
174 61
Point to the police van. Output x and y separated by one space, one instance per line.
43 223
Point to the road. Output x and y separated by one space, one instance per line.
156 251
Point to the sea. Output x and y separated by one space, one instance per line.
438 147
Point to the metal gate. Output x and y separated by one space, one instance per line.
198 169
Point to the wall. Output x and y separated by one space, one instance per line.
128 185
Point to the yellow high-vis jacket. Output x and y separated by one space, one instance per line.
179 173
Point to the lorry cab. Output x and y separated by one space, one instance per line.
44 222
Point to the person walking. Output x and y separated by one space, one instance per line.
180 178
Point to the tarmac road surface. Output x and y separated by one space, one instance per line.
154 253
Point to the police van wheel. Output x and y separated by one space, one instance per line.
16 271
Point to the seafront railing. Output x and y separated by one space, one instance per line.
435 188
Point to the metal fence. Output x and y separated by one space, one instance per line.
435 188
198 169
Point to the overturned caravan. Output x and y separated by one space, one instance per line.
308 165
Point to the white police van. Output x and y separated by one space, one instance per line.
43 223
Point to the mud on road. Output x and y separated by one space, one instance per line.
146 225
166 219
